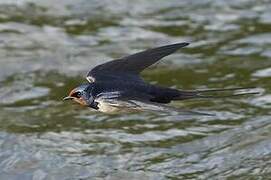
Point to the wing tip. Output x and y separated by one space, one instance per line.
182 44
176 46
185 43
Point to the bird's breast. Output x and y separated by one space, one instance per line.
117 107
107 108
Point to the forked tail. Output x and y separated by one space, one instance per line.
215 93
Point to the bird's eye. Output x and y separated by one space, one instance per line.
77 94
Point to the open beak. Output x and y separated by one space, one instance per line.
68 98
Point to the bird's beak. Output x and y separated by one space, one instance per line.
68 98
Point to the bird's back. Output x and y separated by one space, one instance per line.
134 90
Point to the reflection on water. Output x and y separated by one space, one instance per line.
46 48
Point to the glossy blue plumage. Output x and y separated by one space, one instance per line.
116 86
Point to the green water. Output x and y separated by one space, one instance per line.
47 47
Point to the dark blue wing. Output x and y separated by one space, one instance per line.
129 67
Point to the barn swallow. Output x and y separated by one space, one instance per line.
116 86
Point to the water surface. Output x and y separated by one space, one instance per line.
47 47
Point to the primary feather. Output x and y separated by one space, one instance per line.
129 67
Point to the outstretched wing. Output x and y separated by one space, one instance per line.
131 100
128 68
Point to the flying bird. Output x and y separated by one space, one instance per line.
116 86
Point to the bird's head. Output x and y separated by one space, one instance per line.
81 94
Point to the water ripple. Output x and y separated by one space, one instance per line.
46 48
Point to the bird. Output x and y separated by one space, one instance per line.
117 87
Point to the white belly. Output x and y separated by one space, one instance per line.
120 107
112 105
106 108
